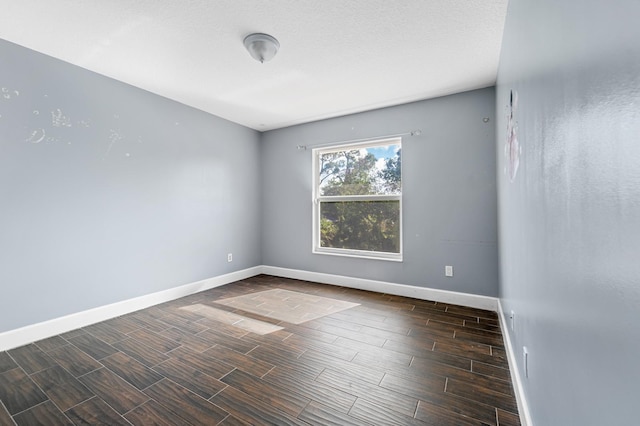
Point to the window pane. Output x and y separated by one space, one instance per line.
360 171
361 225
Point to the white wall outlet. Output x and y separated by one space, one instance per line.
230 257
525 361
512 322
448 271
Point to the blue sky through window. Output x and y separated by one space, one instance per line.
386 151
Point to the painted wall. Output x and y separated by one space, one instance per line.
570 219
449 194
109 192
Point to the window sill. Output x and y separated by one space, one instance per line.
389 257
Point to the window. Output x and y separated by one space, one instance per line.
357 191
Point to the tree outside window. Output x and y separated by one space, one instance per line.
358 197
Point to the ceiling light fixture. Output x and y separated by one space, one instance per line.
261 47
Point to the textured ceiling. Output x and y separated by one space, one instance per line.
336 56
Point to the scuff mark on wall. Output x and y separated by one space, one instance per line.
512 148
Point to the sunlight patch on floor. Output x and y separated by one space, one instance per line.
286 305
229 318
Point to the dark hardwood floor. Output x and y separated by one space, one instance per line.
388 361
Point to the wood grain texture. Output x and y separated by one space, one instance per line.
18 392
251 410
187 339
154 340
209 365
243 362
114 390
61 387
318 414
483 394
46 414
74 360
31 358
506 418
95 412
390 399
153 413
185 404
5 417
491 370
389 360
124 324
454 403
437 415
141 352
131 370
332 398
286 400
373 413
51 343
194 380
233 421
105 332
6 362
216 336
92 346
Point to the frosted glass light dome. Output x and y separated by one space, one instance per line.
261 47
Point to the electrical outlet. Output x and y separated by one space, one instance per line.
230 257
525 361
512 324
448 271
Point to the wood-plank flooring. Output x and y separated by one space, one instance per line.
388 361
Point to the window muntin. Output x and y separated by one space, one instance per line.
358 200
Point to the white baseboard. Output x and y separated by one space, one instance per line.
516 380
22 336
31 333
444 296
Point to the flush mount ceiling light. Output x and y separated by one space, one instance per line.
261 47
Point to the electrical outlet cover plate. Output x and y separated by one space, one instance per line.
448 271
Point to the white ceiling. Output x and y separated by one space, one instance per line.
336 56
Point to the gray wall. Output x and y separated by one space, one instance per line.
570 220
449 194
109 192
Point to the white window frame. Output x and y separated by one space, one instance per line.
318 199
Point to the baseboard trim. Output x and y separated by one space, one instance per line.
34 332
424 293
31 333
523 406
